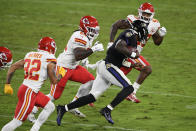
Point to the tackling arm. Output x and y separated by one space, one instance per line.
157 39
120 24
158 36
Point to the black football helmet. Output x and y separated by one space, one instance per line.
140 28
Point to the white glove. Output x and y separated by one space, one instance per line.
162 31
109 45
139 48
85 62
92 66
97 47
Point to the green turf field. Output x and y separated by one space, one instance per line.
168 96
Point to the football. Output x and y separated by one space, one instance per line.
132 49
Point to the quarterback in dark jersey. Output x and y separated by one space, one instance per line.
108 72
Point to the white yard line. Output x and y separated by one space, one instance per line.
87 125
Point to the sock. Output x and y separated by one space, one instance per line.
12 125
75 98
136 86
122 95
110 107
51 97
43 116
35 110
81 102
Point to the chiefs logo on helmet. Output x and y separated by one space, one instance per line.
47 44
89 25
146 12
5 57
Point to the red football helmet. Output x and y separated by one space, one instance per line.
89 25
5 57
47 44
148 9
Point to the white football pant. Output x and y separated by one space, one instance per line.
108 74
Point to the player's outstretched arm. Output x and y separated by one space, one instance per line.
120 24
159 35
18 65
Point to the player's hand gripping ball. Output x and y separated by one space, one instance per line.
135 54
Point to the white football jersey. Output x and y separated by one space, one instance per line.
153 26
67 57
35 69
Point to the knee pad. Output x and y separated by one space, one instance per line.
50 106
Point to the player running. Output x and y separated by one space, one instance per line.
37 67
108 72
145 13
78 48
5 61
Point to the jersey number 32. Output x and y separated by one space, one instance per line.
31 68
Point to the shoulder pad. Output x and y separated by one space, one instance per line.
79 35
131 18
155 20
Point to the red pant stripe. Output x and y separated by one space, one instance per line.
142 62
25 105
53 87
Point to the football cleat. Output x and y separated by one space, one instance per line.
76 112
107 114
132 97
31 118
60 112
91 104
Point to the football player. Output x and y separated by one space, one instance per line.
78 48
108 72
5 61
37 67
5 57
145 13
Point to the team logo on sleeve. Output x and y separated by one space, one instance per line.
128 34
108 66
